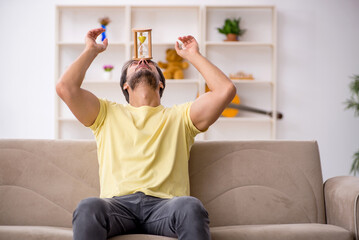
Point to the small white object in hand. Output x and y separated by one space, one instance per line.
181 44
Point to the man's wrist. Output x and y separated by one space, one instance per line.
193 57
91 52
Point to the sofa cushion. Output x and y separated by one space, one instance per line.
258 182
42 181
240 183
141 237
35 233
59 233
245 232
281 232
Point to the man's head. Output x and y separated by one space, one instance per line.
135 72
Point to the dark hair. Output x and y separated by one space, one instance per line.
124 78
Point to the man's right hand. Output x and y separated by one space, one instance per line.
91 43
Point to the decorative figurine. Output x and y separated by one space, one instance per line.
142 44
241 76
174 66
104 22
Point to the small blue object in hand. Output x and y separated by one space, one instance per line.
104 33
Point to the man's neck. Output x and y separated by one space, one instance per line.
144 95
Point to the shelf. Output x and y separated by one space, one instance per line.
100 82
246 119
256 61
75 21
96 7
69 44
180 81
115 43
237 81
165 44
239 43
68 119
239 7
162 20
255 53
160 44
258 20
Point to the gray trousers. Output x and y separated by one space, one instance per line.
101 218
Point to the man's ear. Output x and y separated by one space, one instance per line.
125 86
161 84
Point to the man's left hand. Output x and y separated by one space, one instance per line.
189 47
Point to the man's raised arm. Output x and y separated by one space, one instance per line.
206 109
82 103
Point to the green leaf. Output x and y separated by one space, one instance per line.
221 30
236 22
231 26
228 28
355 165
242 31
353 101
354 85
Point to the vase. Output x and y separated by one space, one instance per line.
107 75
232 37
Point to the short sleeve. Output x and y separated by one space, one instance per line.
101 117
192 129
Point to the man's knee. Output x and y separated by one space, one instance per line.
189 206
90 207
90 219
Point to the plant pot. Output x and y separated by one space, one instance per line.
107 75
232 37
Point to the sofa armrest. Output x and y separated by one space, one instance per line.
341 202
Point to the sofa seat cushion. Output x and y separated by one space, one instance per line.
35 233
58 233
244 232
281 232
141 237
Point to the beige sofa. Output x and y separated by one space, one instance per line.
251 189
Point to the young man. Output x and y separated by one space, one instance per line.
143 147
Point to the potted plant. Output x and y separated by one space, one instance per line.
107 75
353 103
232 29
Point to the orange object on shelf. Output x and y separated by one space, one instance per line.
229 112
241 76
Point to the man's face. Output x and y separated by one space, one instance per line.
137 65
142 71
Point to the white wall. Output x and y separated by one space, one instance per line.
317 52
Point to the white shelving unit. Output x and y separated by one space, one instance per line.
255 53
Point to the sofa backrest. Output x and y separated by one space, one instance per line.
258 182
245 182
42 181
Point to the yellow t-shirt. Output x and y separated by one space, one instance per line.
143 149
